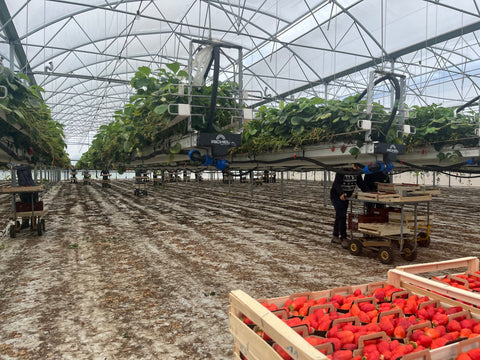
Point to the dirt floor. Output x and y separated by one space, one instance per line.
118 276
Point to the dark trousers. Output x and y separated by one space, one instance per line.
340 225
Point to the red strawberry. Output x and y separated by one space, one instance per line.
342 355
399 332
439 319
474 353
453 325
453 310
424 340
439 342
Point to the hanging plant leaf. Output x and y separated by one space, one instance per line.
296 120
174 67
145 70
299 129
160 109
354 151
182 73
127 147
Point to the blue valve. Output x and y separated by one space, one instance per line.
220 164
378 167
473 161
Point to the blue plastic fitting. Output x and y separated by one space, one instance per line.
389 167
222 164
208 161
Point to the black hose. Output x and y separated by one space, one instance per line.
460 108
396 85
213 100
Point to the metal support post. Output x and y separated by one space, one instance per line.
281 183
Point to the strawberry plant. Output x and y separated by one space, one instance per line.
28 121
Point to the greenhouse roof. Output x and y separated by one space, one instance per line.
83 53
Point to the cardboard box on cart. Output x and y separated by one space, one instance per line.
248 344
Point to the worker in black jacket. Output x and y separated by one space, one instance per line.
343 187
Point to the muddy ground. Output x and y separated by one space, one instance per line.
118 276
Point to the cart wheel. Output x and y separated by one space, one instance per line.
17 223
12 231
43 224
39 228
25 223
385 255
408 253
424 240
355 247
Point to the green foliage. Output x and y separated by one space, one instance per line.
302 122
437 126
145 120
29 123
312 121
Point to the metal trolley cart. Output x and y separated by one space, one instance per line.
396 221
141 185
26 214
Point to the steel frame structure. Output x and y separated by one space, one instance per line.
84 55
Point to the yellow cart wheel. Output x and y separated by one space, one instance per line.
355 247
385 254
409 253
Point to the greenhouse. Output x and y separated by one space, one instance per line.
167 168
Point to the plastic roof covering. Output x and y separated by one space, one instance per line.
291 48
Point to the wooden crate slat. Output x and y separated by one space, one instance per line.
416 198
382 229
22 189
248 342
28 213
367 196
397 187
469 262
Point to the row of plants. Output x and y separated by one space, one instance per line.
314 120
144 122
28 126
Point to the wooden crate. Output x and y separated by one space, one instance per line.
394 198
409 218
407 277
253 347
383 229
388 187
